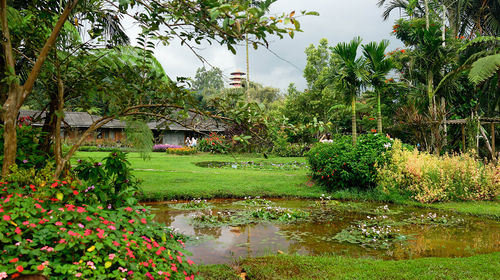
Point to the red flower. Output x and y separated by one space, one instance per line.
6 217
40 267
18 230
14 260
75 192
374 130
20 268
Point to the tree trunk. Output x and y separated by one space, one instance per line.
248 69
59 114
49 125
65 160
379 114
427 22
9 126
354 132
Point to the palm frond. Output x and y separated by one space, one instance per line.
484 68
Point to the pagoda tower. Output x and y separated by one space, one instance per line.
237 79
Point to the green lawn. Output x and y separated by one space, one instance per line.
334 267
168 177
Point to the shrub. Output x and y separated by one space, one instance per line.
291 150
110 182
429 178
54 229
164 147
29 153
340 164
214 143
182 151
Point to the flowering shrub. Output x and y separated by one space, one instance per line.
181 151
374 236
340 164
164 147
428 178
214 143
54 229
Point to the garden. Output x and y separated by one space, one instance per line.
382 164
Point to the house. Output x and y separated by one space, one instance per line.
75 124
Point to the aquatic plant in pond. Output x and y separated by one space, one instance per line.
435 219
256 201
375 236
279 214
221 218
194 204
293 165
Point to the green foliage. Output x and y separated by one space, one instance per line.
484 68
341 165
57 230
112 182
29 153
214 143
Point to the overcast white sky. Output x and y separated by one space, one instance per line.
339 21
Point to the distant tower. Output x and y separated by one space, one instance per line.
236 79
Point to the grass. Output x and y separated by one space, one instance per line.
336 267
167 177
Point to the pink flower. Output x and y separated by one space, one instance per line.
88 218
78 274
111 256
131 221
6 217
143 220
18 230
59 223
112 227
3 275
190 262
128 209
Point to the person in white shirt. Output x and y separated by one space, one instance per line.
194 141
187 142
326 138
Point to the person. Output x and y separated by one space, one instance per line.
187 142
194 141
326 138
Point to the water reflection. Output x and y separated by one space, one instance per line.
226 243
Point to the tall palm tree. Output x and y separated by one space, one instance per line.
378 66
350 75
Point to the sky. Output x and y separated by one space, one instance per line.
339 21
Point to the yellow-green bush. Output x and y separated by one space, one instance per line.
429 178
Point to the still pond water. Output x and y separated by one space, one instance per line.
458 236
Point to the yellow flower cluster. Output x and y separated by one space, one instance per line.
430 178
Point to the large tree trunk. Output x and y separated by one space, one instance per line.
17 93
354 126
379 113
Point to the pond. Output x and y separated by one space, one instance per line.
340 228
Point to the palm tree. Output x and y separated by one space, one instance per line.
378 68
350 75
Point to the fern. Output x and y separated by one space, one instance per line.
484 68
